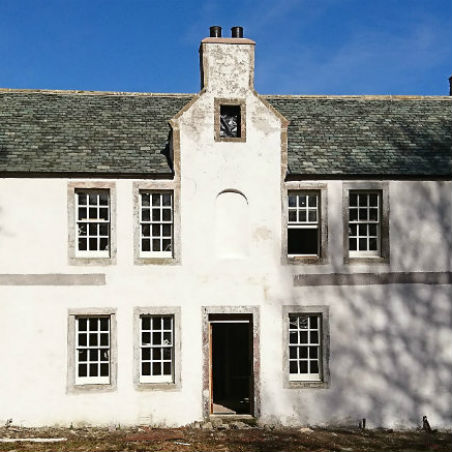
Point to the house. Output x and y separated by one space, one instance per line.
165 258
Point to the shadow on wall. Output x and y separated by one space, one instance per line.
390 345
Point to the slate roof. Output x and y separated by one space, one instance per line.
89 132
128 133
368 135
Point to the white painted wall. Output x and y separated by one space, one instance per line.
390 345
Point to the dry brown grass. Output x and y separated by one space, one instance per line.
254 439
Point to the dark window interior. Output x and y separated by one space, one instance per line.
303 241
230 121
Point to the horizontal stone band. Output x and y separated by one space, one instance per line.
367 279
52 279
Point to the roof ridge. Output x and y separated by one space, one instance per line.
355 96
92 93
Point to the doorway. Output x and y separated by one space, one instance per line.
231 364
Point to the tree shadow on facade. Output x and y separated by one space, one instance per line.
390 344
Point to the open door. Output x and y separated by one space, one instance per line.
231 369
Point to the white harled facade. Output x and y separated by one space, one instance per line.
376 351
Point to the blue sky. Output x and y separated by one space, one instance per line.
303 46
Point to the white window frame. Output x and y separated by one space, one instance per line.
88 221
306 376
300 380
98 348
366 222
81 257
157 382
151 222
169 378
75 383
306 224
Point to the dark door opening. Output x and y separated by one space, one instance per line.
231 364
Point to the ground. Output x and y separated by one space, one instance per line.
237 438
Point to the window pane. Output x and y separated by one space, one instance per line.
82 370
293 367
156 199
167 368
145 199
146 245
312 201
303 241
93 370
303 352
292 201
166 199
314 366
82 199
230 121
145 215
104 370
145 354
145 368
156 368
146 323
82 213
373 245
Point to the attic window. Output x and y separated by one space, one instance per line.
229 120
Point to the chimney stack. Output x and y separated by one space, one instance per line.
215 31
237 32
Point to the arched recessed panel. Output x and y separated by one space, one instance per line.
231 225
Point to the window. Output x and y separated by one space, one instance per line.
304 347
303 237
305 223
93 223
91 349
230 120
366 222
157 349
156 224
92 352
306 339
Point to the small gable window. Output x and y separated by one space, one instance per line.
230 120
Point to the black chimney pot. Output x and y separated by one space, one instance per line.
215 31
237 32
450 85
